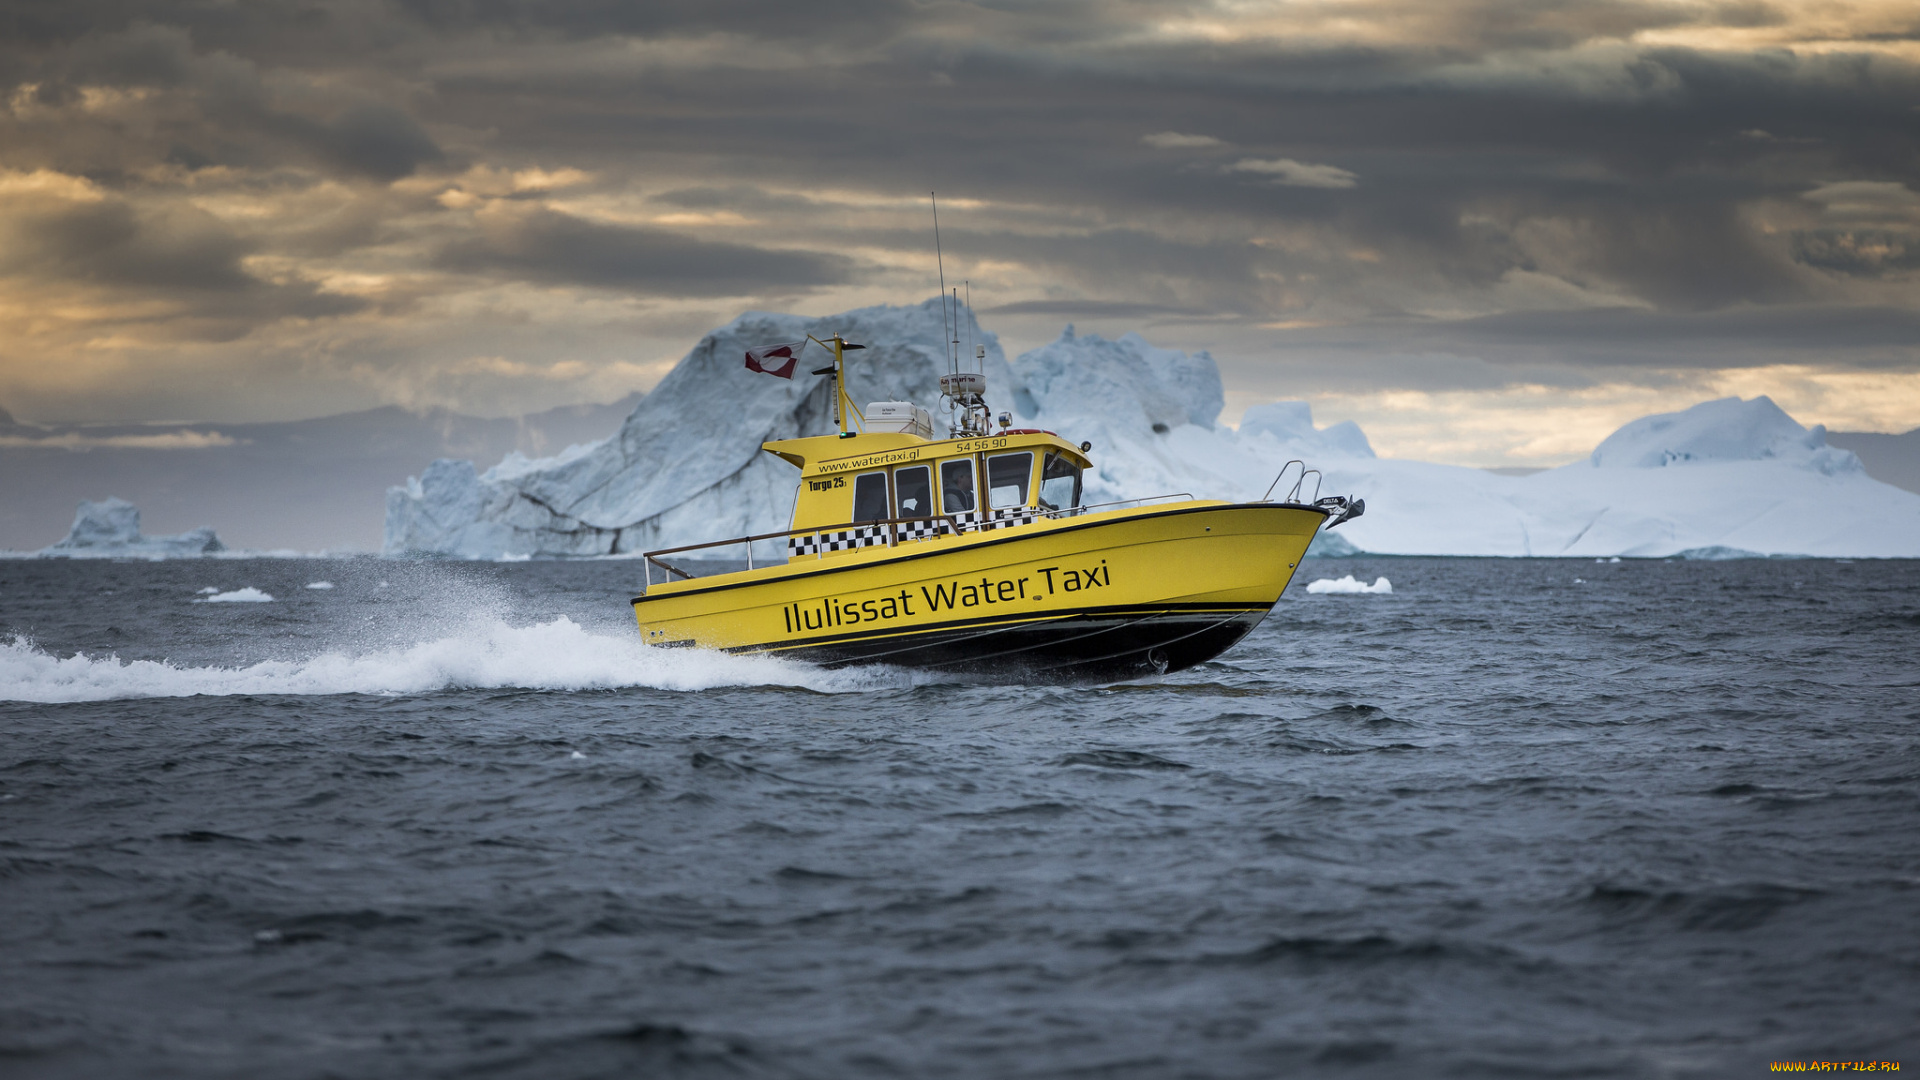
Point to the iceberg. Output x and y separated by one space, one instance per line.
1725 430
1289 424
1149 413
686 465
1726 478
111 528
1351 586
1723 479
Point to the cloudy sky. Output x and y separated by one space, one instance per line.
1488 231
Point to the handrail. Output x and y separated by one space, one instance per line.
1071 511
649 560
1283 476
1293 496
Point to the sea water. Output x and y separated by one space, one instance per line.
1513 817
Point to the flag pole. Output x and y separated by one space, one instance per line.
843 410
839 384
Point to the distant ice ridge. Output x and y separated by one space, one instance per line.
111 528
1727 478
1724 479
1351 585
1725 430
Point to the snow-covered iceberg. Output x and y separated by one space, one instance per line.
1725 430
1723 478
686 466
111 528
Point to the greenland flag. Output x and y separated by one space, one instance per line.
775 359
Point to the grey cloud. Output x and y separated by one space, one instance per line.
1870 253
372 139
1093 309
1174 140
1454 145
109 243
1290 173
1872 336
580 18
559 248
214 108
181 255
738 197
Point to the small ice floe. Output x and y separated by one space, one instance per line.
208 591
1380 586
248 595
319 584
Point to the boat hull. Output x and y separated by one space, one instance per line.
1103 597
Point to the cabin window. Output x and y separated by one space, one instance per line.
1008 476
913 492
1059 484
956 486
870 497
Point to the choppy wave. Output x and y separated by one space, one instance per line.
489 654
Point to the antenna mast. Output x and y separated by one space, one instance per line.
965 394
971 347
946 328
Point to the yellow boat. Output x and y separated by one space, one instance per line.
895 557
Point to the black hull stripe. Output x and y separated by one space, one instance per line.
1015 539
1130 650
990 632
989 623
1126 649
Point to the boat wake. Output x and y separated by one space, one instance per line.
487 654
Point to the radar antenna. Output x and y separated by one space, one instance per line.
946 329
965 393
971 347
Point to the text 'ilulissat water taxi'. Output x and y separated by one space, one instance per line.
974 554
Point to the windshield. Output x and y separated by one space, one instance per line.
870 497
1059 484
913 492
1007 478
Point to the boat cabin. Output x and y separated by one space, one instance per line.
888 487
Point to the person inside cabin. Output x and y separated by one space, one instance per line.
956 486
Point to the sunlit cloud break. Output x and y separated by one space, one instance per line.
1290 173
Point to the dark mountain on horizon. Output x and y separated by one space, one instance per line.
1890 459
305 484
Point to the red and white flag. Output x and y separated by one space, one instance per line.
775 359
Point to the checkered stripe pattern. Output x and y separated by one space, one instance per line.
976 521
924 529
840 540
870 535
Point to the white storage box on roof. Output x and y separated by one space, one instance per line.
901 416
